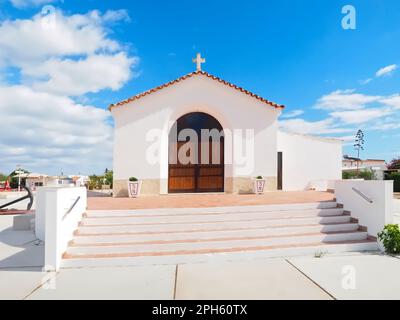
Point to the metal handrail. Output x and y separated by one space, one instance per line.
362 195
28 196
71 208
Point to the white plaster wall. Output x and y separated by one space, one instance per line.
307 159
52 223
233 109
373 215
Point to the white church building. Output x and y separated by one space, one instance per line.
154 129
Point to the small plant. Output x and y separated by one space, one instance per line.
390 237
395 176
319 254
133 179
259 178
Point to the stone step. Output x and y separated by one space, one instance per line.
205 217
209 246
239 254
208 210
107 239
210 225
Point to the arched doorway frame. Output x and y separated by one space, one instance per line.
174 116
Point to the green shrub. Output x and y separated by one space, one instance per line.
362 174
3 177
108 178
259 177
390 237
395 176
133 179
95 182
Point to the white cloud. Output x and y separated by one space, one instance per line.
361 116
365 81
387 123
42 128
116 15
29 3
292 114
393 101
326 126
386 71
23 42
347 111
344 100
347 140
71 77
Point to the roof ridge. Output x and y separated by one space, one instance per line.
197 72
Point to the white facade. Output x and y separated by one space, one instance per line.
142 128
307 159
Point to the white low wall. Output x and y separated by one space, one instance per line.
373 215
54 224
322 185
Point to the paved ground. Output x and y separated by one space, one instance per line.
18 248
134 283
206 200
355 276
261 280
345 276
396 209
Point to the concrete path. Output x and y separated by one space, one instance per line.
259 280
133 283
17 283
18 248
354 276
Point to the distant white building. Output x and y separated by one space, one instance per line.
35 180
375 165
350 163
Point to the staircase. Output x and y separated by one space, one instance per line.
170 236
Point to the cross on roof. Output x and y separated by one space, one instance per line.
198 61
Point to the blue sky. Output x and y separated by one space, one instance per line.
292 52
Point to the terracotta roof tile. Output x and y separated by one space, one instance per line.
138 96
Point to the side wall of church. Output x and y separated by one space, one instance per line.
308 159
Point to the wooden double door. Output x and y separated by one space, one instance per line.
205 172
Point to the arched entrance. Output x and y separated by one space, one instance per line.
196 155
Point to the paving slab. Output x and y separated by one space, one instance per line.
18 257
136 283
18 248
354 276
17 283
259 280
